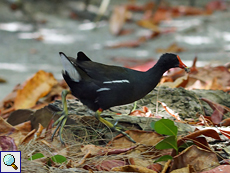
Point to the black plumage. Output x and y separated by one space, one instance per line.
104 86
100 86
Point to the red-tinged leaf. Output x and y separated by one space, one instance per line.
219 169
133 168
170 111
161 14
172 48
225 122
205 120
218 111
7 144
128 44
145 113
117 19
193 69
225 133
107 165
115 151
39 85
155 166
136 7
92 150
149 25
206 132
144 137
216 5
198 158
186 11
201 142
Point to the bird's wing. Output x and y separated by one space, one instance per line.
103 72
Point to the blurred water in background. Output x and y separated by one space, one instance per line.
21 55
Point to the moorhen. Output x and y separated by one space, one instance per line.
100 86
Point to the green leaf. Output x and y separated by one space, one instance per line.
165 127
164 158
169 142
152 124
58 158
36 156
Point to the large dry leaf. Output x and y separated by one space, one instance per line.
117 19
187 169
7 144
218 110
215 78
219 169
133 168
36 87
206 132
17 132
149 25
172 48
140 136
200 159
93 150
105 165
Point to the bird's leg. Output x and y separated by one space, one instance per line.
110 125
64 115
134 107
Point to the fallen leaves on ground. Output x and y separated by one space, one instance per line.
153 15
172 48
36 87
117 19
196 157
120 153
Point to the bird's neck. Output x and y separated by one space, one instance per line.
155 73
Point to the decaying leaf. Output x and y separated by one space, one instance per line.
172 48
149 25
36 87
105 165
187 169
219 169
143 137
145 113
117 19
196 157
7 144
215 78
170 111
17 132
218 110
133 168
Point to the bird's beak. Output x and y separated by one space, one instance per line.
182 65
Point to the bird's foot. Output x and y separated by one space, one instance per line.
110 125
60 125
63 118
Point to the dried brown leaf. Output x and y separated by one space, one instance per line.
36 87
197 158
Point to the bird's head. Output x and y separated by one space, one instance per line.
170 60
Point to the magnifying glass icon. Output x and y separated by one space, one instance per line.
9 160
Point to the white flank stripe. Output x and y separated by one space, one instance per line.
116 81
103 89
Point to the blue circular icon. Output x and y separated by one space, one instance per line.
8 159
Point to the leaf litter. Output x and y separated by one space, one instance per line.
90 152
